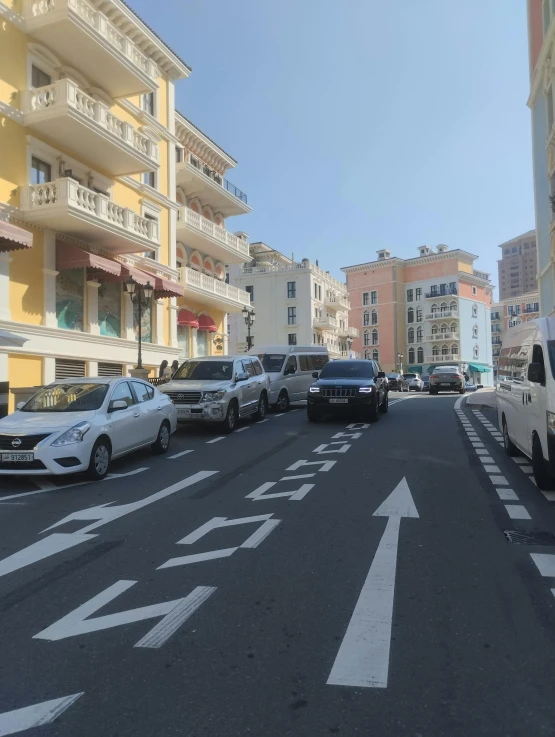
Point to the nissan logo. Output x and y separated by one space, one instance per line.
16 442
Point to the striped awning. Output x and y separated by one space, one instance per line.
71 257
13 238
205 322
186 317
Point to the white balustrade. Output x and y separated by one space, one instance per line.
202 224
442 336
442 315
445 358
192 278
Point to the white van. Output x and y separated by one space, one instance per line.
526 395
290 369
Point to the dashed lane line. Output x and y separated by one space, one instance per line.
178 455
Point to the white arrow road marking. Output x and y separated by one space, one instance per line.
104 514
18 720
363 658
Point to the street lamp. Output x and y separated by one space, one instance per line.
249 316
400 361
140 296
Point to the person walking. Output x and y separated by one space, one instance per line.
175 366
162 369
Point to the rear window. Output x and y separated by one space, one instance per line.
272 362
348 370
409 376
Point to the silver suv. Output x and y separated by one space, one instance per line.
219 389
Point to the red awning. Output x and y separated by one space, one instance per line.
71 257
186 317
205 322
167 288
128 272
12 237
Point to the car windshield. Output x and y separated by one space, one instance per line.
272 362
393 376
204 371
67 398
347 370
410 376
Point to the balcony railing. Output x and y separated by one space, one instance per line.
348 332
213 287
213 174
481 275
442 336
445 358
202 226
59 109
442 315
531 310
325 321
337 302
438 295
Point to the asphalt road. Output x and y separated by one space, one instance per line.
291 579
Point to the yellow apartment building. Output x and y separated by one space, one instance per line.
101 181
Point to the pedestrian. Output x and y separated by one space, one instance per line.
175 366
162 369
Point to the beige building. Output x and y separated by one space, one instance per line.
510 312
518 266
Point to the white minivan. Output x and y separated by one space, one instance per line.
290 369
526 395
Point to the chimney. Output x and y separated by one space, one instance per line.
441 248
383 254
424 250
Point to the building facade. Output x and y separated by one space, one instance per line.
423 312
295 303
506 314
517 266
102 182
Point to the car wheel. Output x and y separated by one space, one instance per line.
384 406
542 478
374 411
100 459
462 391
283 402
162 442
230 422
510 448
313 414
260 413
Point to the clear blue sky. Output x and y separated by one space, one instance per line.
363 124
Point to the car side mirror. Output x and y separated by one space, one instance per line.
241 376
536 373
20 405
381 374
315 375
117 404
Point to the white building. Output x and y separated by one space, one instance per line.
295 303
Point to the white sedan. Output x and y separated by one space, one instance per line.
81 424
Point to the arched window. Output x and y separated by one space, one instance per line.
444 307
453 306
375 337
435 309
455 349
453 328
444 328
366 337
410 315
420 353
419 335
435 329
365 318
411 355
474 311
475 331
444 350
435 351
374 317
411 335
419 314
367 355
376 355
476 352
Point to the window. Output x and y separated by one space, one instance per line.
41 172
410 315
419 314
291 365
367 355
374 298
149 178
374 317
148 103
366 337
443 307
109 309
142 392
444 350
375 337
453 328
365 318
250 290
419 335
420 352
537 357
248 367
455 349
411 335
476 352
39 78
435 330
292 339
319 293
435 351
452 287
291 290
123 391
411 355
291 315
474 291
70 299
435 309
475 331
410 294
418 294
257 367
376 355
315 290
366 298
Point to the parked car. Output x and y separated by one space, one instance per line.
354 386
82 424
289 369
397 382
414 382
426 382
219 390
526 395
446 379
470 386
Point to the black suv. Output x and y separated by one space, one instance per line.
358 387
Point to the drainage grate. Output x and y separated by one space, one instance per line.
530 538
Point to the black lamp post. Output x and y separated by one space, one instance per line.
140 296
249 316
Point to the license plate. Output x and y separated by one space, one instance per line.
339 401
445 384
183 410
17 457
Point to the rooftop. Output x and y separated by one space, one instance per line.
425 253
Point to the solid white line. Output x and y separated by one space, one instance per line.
301 476
44 484
185 560
55 543
517 511
545 563
178 455
507 495
215 440
19 720
281 414
123 475
242 429
501 480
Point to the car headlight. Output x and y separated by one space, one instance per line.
73 435
551 422
213 396
314 390
366 389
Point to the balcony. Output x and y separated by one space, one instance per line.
438 337
439 295
348 332
325 322
449 358
67 206
210 238
86 40
212 292
337 302
200 180
79 123
443 315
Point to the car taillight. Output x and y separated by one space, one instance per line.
434 376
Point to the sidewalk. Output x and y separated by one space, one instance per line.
482 398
